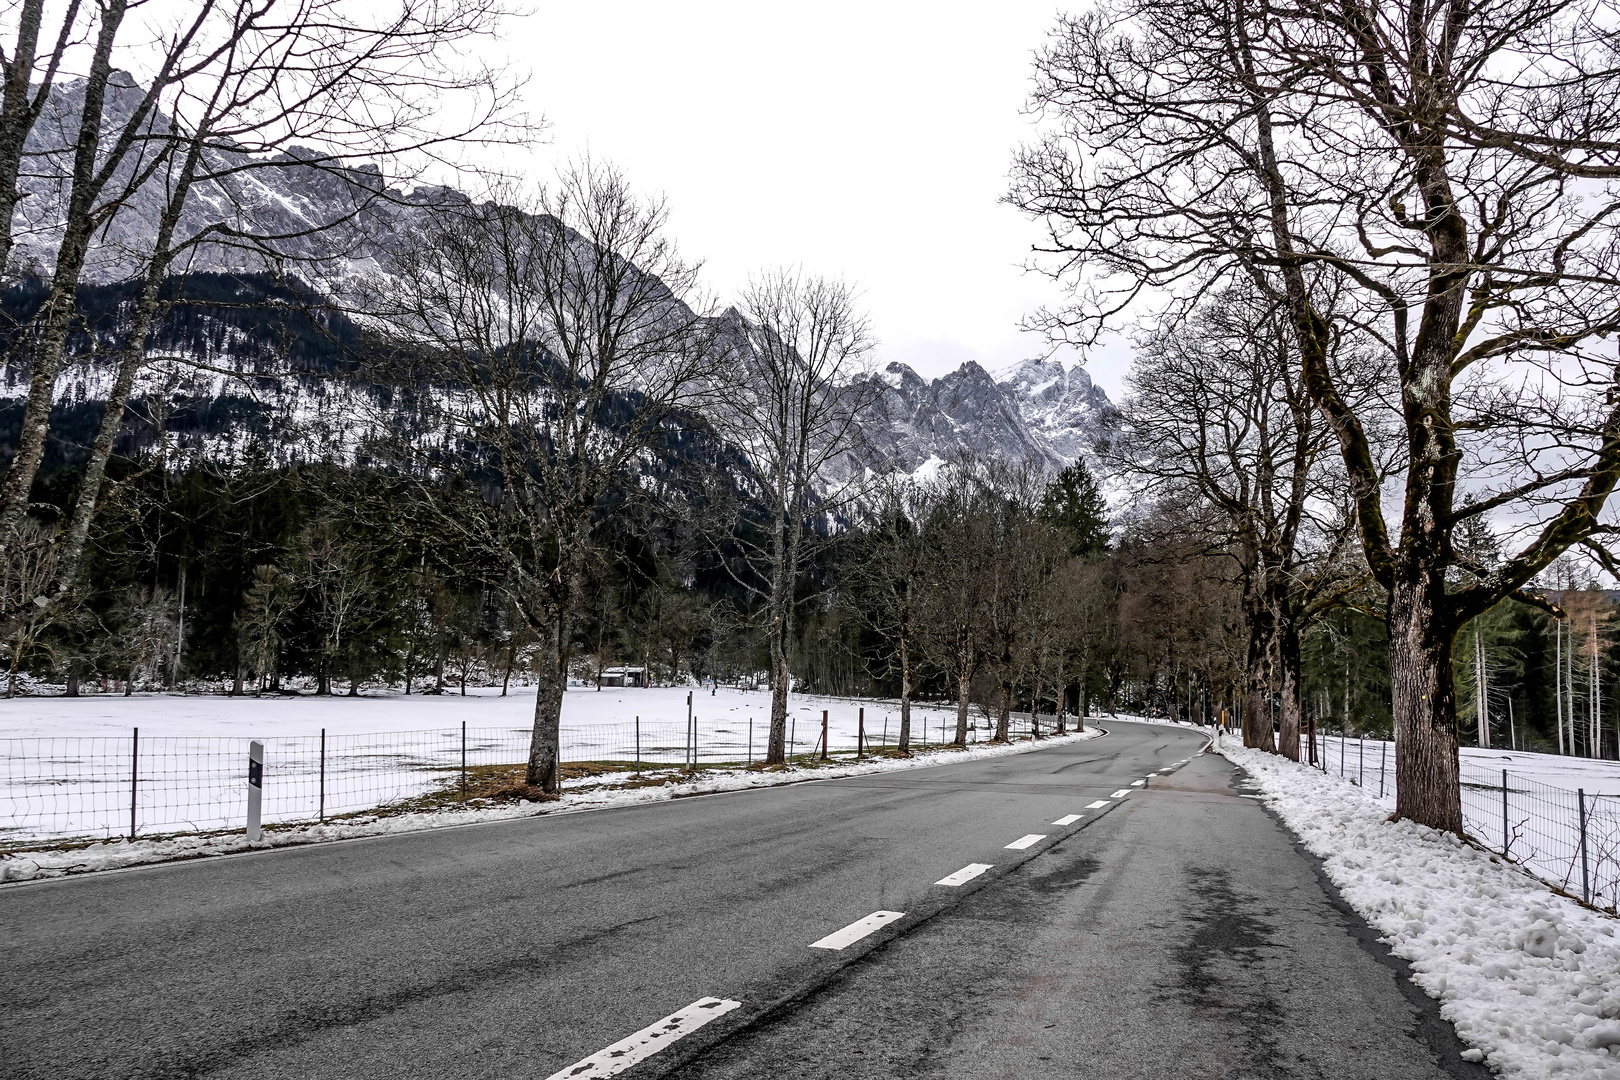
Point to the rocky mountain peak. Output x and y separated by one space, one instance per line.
1039 410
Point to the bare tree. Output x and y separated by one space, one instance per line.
1217 411
24 584
1023 554
555 334
239 89
885 577
1448 170
960 549
792 402
259 624
30 76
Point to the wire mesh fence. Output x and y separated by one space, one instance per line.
1568 837
57 789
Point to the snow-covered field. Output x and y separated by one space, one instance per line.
1536 815
1355 757
1530 979
590 795
72 767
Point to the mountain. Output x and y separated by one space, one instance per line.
267 375
1038 411
1064 410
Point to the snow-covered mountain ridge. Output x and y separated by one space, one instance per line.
1037 410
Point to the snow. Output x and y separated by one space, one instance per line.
1543 803
576 798
66 763
929 469
1597 777
200 715
1530 979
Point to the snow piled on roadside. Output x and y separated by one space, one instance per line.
1530 979
576 797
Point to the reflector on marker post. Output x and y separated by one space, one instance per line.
255 786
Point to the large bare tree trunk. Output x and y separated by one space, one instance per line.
1004 714
1292 707
1425 704
57 316
776 750
905 695
962 683
783 580
1256 710
552 680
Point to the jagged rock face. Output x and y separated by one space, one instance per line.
1063 408
315 219
1042 413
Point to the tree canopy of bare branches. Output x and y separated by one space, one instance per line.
132 178
1439 177
791 401
555 341
1218 412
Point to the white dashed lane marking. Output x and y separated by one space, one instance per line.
849 935
1098 805
1121 793
1067 819
964 875
1137 783
1026 841
648 1041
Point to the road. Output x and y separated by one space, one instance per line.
1174 930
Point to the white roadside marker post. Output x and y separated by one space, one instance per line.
255 786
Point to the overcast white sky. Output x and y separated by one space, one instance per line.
867 140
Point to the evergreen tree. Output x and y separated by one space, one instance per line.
1073 505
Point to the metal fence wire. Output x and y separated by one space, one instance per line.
1569 838
69 788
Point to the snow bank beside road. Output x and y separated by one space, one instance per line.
1529 978
576 797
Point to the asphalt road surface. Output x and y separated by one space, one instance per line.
1168 927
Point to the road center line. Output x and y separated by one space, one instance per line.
849 935
964 875
1098 805
1026 841
648 1041
1121 793
1067 819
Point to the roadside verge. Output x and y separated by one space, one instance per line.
1530 979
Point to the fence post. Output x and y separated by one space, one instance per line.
1361 762
464 761
638 744
321 809
750 740
134 772
1504 814
823 734
860 734
1383 748
255 785
1586 878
